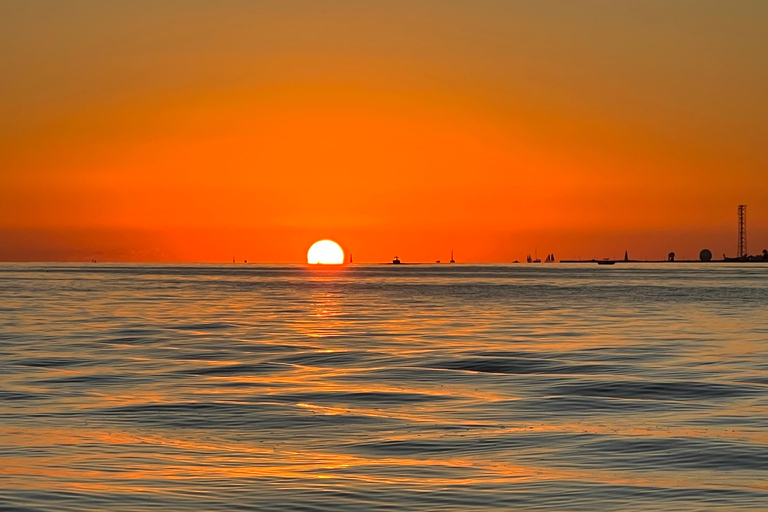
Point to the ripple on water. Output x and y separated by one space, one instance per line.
152 387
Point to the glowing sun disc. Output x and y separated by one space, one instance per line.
325 252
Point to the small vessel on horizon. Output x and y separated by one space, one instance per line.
396 261
452 260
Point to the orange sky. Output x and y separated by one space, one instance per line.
199 131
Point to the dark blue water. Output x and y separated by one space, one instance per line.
451 387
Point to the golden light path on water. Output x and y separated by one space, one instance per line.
376 387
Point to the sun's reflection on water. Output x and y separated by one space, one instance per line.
381 384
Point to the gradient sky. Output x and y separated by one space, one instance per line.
198 131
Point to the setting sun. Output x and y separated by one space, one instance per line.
325 252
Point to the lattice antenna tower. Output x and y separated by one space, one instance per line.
742 251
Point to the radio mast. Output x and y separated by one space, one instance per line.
742 250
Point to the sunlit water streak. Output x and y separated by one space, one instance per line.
451 387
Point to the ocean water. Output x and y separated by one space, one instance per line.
373 388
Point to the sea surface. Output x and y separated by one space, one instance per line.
383 388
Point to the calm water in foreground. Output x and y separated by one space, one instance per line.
451 387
